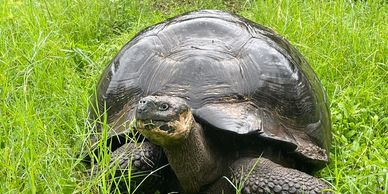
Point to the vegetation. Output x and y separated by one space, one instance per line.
53 52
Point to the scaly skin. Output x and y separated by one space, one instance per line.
265 176
144 158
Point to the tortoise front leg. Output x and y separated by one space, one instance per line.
260 175
142 159
139 158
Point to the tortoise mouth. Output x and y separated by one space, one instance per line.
165 133
149 125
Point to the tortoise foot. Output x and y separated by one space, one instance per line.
133 164
139 158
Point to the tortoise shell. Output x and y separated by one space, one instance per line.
236 75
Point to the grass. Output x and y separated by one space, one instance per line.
53 52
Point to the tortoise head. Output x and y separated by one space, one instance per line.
164 120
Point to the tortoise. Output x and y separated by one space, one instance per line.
221 100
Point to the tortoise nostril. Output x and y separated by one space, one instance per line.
143 106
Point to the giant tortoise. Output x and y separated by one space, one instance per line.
225 102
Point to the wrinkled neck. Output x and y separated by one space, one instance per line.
194 161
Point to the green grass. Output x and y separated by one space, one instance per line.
53 52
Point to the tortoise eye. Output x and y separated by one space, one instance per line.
164 107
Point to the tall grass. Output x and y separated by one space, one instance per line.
52 53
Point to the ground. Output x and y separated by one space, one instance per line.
53 52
